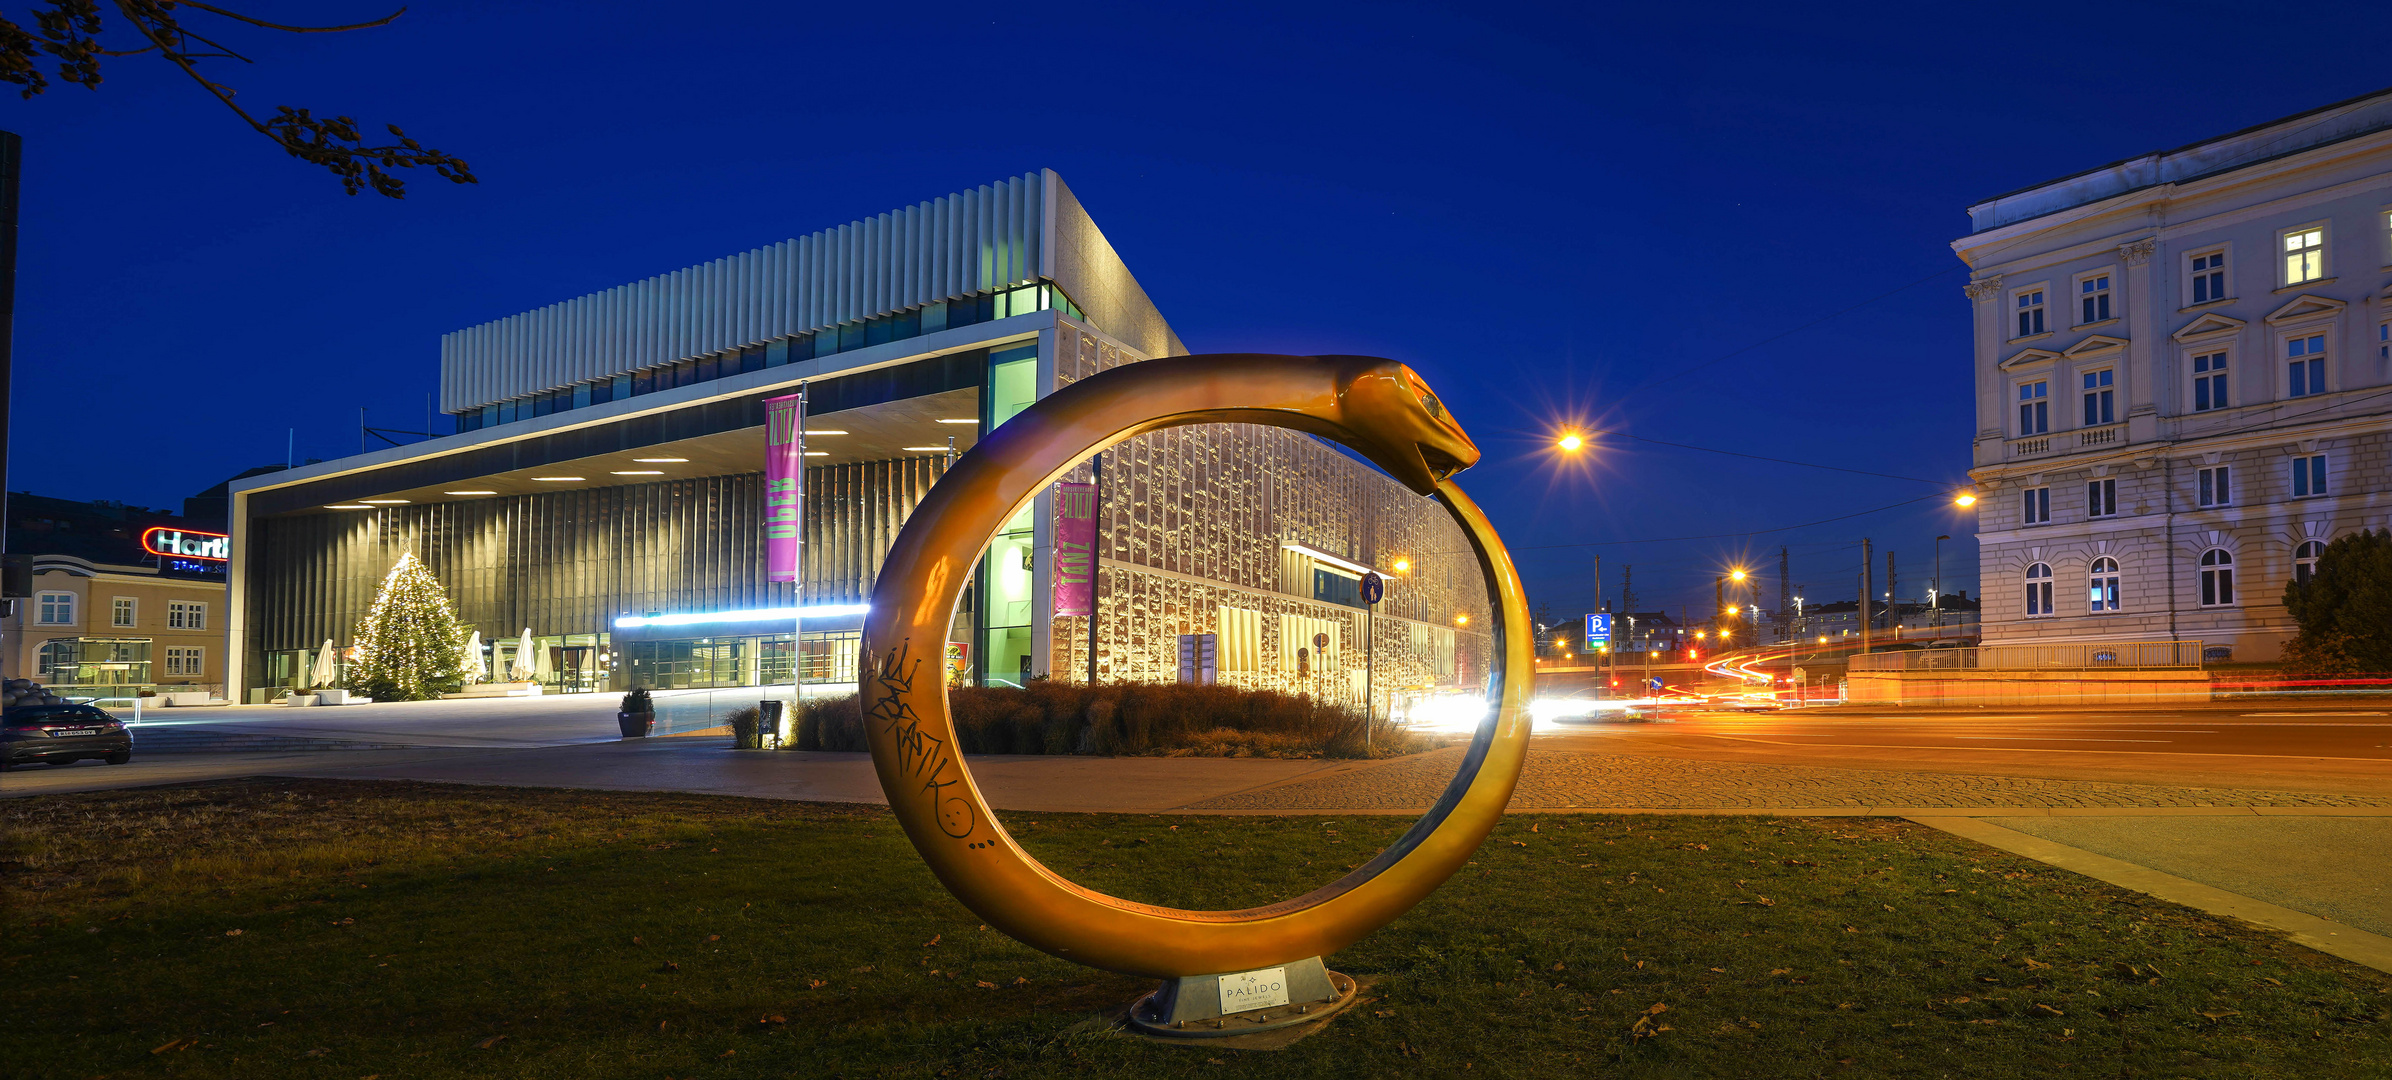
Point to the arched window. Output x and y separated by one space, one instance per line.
2304 560
2217 578
2039 590
2104 584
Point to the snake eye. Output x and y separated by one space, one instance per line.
1435 407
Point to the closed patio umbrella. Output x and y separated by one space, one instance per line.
327 669
527 667
475 669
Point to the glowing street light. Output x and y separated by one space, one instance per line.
1461 620
1965 499
1570 442
1403 566
1736 574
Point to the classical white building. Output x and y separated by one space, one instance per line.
2184 382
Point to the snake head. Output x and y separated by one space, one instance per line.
1402 424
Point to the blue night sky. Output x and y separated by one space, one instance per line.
1628 218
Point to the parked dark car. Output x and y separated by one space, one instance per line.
62 735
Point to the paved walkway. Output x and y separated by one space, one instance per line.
1579 780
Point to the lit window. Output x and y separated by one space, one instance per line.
2104 585
2305 362
2101 498
2099 408
2383 341
2308 476
2209 382
2217 578
2030 313
2093 297
186 615
2304 560
2034 408
2035 506
2039 590
121 612
2304 255
2216 489
2209 277
56 609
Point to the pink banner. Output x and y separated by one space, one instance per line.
1075 549
784 483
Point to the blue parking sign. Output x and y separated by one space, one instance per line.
1598 631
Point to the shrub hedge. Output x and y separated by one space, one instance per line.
1130 719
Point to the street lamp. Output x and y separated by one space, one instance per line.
1965 499
1569 442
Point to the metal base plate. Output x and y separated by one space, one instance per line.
1146 1016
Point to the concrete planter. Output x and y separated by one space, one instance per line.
636 725
299 700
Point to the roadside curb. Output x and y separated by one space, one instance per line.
1828 811
2324 935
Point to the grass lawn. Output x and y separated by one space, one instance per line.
354 930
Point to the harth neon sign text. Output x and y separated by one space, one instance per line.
188 544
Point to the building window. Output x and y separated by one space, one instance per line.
2093 298
2036 504
56 609
2383 341
2304 560
2217 578
2304 254
2104 585
2209 277
186 615
2099 406
121 612
2215 487
2034 408
2308 476
2305 364
185 660
2209 382
2030 313
2039 590
2101 498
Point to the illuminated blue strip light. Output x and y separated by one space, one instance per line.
778 614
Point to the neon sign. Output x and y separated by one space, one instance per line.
188 544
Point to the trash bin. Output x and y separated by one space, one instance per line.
773 724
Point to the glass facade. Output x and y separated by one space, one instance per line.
719 661
1009 573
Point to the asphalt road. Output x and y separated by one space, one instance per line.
2343 746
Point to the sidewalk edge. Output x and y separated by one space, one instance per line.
2324 935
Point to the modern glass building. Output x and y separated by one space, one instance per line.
603 490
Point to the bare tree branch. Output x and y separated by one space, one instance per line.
68 31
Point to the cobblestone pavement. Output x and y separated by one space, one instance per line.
1575 779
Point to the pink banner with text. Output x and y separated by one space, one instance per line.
784 484
1075 549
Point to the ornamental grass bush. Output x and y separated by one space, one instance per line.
1130 719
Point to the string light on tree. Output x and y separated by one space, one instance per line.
410 646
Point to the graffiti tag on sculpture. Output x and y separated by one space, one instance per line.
921 755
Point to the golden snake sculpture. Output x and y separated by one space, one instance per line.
1378 407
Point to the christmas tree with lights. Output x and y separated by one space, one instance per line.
411 646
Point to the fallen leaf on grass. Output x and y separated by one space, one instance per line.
815 984
861 970
317 1052
2035 965
176 1044
1781 971
1759 901
719 937
637 941
775 1019
1019 980
933 942
2048 1010
1645 1027
493 1040
726 1053
232 933
2221 1014
984 984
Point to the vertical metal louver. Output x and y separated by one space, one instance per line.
965 243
